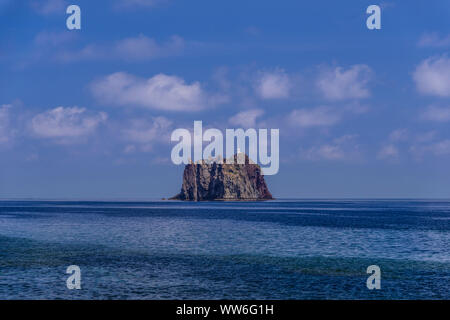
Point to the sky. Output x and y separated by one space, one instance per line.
89 113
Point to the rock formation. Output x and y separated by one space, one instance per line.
228 181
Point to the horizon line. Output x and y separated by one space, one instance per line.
131 199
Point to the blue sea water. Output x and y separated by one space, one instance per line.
286 249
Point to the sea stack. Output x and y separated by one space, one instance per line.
227 181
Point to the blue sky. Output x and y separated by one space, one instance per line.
88 113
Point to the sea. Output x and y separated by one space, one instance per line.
283 249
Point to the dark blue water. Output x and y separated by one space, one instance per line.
241 250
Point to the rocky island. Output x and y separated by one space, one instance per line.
227 181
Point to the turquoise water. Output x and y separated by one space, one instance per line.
287 249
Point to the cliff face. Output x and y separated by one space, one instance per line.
216 181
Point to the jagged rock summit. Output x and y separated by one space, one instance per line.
212 180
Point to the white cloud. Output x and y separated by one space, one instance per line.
340 148
389 151
316 117
89 52
143 48
340 84
140 48
145 133
356 108
70 122
432 76
399 135
5 131
425 144
246 119
48 45
273 85
46 7
161 92
426 136
437 114
329 152
53 39
129 149
441 147
434 40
